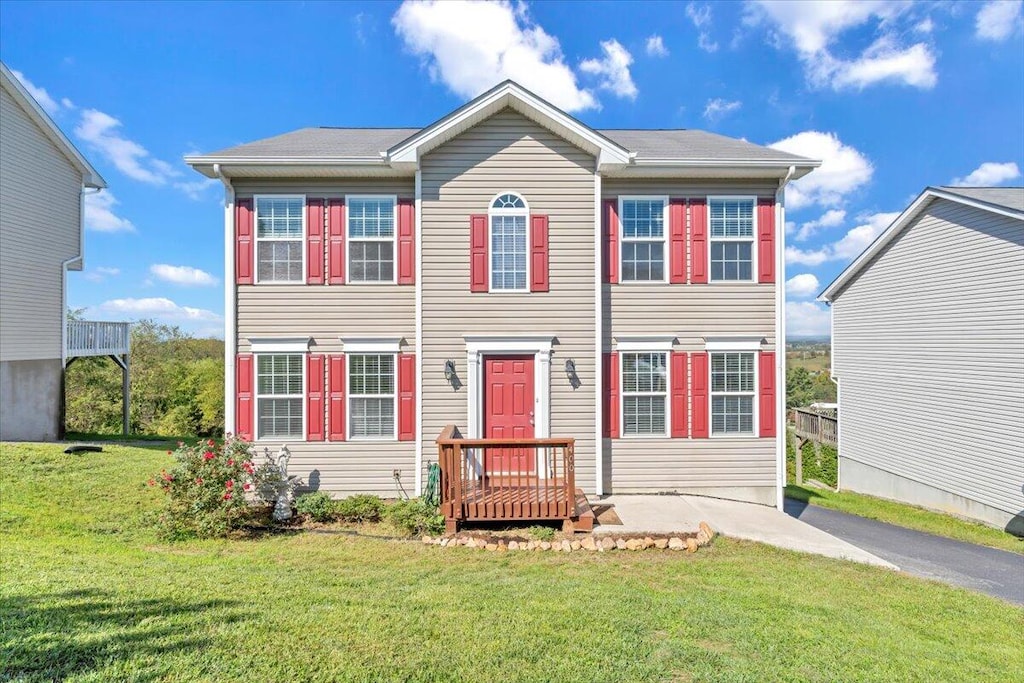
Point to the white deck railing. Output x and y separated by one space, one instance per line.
95 338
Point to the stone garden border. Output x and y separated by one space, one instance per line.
689 542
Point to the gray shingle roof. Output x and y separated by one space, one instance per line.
370 142
1009 197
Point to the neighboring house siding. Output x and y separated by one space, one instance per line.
735 467
510 153
327 314
40 224
928 347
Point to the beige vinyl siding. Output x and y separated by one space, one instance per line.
507 152
40 223
742 467
327 314
929 350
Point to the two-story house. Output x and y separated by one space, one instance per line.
516 273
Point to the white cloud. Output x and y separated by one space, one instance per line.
843 169
183 275
656 47
472 46
849 246
66 103
717 108
926 25
814 28
807 319
701 18
989 174
802 285
997 20
39 94
159 308
613 68
196 189
829 219
101 273
100 131
100 216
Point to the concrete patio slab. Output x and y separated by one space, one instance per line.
663 514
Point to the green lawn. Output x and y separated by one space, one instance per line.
908 516
88 594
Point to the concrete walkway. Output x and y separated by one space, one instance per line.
667 514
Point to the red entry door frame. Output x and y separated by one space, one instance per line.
509 409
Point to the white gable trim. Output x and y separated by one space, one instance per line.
903 220
508 94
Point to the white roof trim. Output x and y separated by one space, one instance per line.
505 94
371 344
897 226
279 344
732 343
504 343
90 177
645 343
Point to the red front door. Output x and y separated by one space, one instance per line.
508 412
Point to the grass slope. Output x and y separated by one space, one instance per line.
88 594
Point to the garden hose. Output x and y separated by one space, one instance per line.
430 492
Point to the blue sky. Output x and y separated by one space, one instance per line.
894 96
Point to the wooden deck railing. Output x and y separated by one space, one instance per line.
505 479
95 338
816 426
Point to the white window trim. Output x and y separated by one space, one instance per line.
642 344
668 392
752 239
349 395
257 396
479 346
257 239
491 212
724 344
371 344
666 229
755 417
279 344
349 239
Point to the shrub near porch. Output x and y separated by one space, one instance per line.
90 593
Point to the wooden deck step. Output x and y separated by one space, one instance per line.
583 520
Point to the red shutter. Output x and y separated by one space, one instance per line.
243 242
336 398
406 396
314 241
766 392
611 395
679 429
701 377
244 399
611 240
538 253
765 240
315 397
478 276
677 241
698 241
406 242
336 241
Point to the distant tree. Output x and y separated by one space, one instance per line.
798 387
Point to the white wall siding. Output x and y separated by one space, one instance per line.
929 350
40 222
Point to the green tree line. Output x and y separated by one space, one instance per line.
804 388
177 386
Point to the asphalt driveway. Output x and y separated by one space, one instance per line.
996 572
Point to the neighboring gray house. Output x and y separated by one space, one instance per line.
513 272
42 181
928 352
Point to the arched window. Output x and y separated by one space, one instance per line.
508 216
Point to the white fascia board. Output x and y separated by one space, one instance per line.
279 344
371 344
645 343
733 343
286 161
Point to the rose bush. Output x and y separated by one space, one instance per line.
206 489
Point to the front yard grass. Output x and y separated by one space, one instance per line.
88 594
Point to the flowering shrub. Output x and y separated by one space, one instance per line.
206 489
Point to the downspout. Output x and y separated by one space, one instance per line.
780 339
229 301
64 301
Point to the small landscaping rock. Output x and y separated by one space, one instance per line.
513 545
575 545
607 543
588 543
427 540
544 545
691 545
634 544
706 528
620 544
702 538
675 543
492 546
661 543
648 543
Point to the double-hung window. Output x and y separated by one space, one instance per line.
280 229
371 238
732 393
645 394
508 215
732 226
371 388
643 221
279 395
